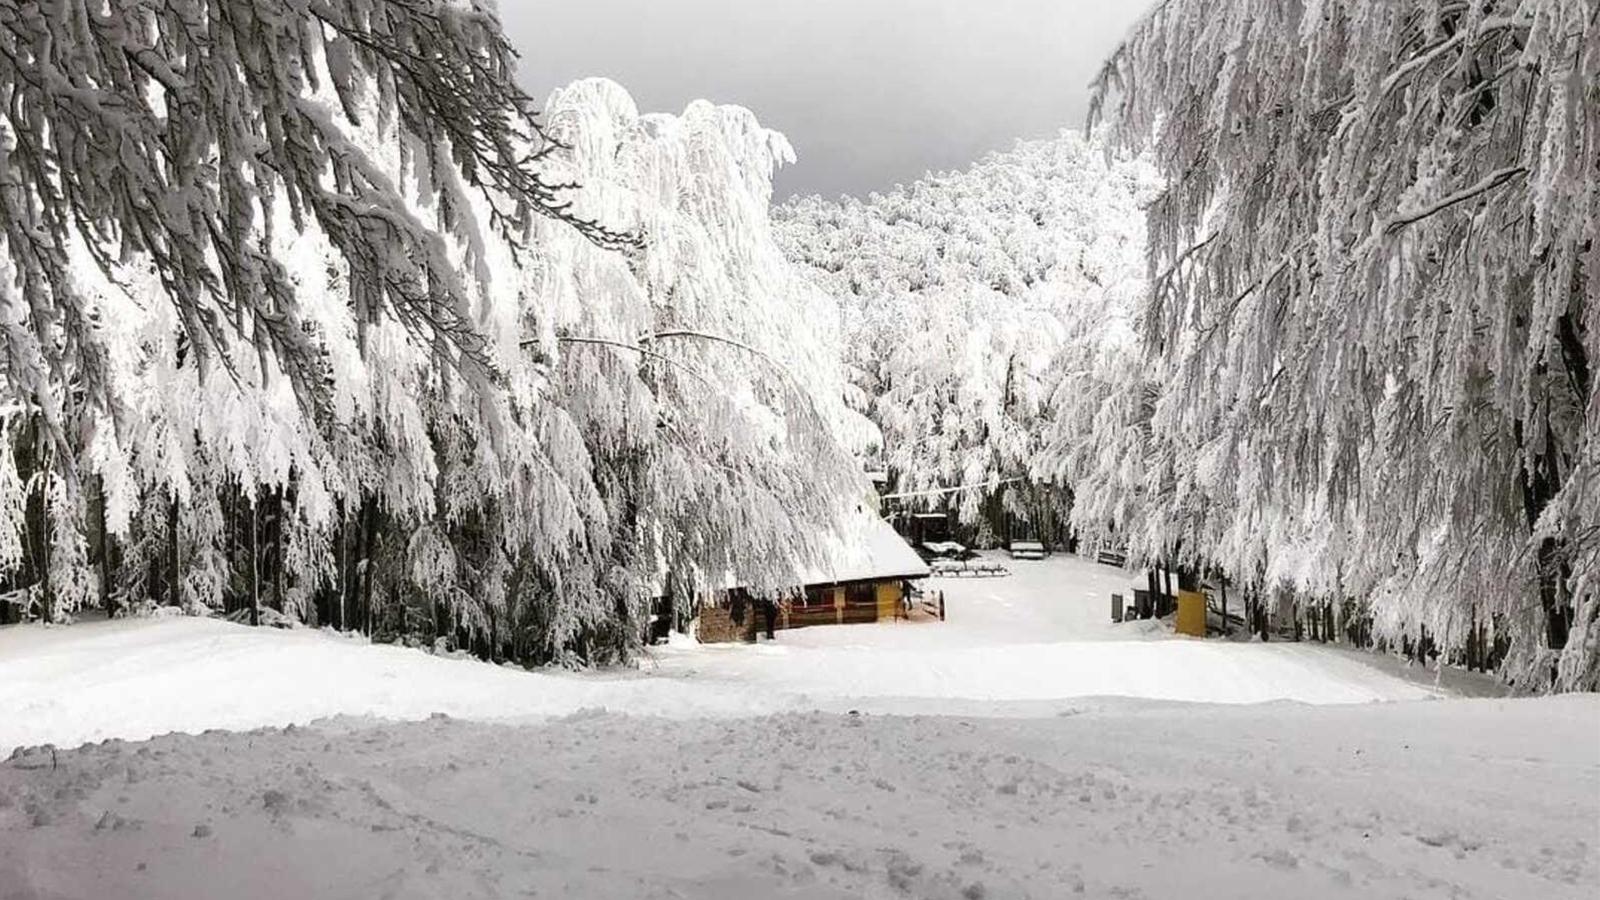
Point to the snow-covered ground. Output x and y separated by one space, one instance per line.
1463 799
1027 644
1021 645
1026 747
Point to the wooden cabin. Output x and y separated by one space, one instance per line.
866 578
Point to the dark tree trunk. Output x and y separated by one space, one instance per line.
104 557
36 517
1188 580
174 593
1473 660
1222 585
369 525
277 549
255 565
347 580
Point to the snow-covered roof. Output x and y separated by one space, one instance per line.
866 548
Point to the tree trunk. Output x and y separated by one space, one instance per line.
1222 585
36 517
1188 579
255 565
277 549
369 525
174 594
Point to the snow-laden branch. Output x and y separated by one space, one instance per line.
634 348
1483 186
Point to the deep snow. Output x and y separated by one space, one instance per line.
1054 763
1456 799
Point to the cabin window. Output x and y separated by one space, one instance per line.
818 596
861 594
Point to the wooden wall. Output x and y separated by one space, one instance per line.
716 623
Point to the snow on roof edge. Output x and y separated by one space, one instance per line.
867 549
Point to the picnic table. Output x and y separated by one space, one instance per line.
977 568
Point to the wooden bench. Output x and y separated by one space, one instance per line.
1111 558
1026 550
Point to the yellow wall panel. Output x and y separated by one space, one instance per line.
1191 614
889 598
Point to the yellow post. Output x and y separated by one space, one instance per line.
1191 614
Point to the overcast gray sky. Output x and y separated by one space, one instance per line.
870 92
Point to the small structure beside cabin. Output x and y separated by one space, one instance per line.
867 578
925 527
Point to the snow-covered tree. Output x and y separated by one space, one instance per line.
1374 294
298 312
961 293
701 375
163 161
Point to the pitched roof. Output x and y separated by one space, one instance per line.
866 548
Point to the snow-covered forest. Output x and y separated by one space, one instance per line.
1348 368
298 325
971 299
424 474
295 324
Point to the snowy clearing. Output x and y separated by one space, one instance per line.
734 773
1455 799
1027 644
1011 644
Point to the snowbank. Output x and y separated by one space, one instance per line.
133 679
